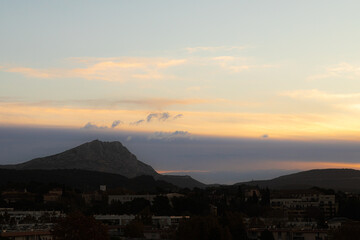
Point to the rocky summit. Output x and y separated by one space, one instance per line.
111 157
108 157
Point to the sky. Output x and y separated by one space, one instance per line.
235 89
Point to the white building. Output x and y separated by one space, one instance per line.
129 198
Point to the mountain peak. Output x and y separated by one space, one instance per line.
96 155
99 156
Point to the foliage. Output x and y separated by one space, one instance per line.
202 228
161 206
348 231
135 229
266 235
196 203
77 226
235 224
349 207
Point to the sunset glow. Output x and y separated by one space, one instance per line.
230 71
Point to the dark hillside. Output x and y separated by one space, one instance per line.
83 180
107 157
337 179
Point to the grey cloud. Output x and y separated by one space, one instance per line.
91 126
116 123
180 133
169 135
265 136
151 116
178 116
137 122
161 116
164 116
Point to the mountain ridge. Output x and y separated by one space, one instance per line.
82 179
108 157
343 179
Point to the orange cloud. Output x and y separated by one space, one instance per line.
152 103
214 49
113 69
34 73
341 70
122 69
229 124
284 165
181 171
320 95
290 165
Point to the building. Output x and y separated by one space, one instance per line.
304 205
53 195
27 225
129 198
111 220
289 234
160 227
167 221
16 196
92 197
27 235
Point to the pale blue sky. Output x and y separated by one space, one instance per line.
300 37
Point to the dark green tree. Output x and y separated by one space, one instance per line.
161 206
265 197
266 235
234 222
202 228
135 229
348 231
76 226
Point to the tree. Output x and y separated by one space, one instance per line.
347 231
193 204
265 197
235 224
266 235
161 206
135 206
77 226
135 229
202 228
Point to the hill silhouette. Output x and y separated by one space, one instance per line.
107 157
337 179
83 179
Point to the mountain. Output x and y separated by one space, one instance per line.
109 157
80 179
181 181
337 179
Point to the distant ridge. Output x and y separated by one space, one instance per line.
83 179
337 179
108 157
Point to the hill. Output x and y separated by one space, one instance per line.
82 179
108 157
337 179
